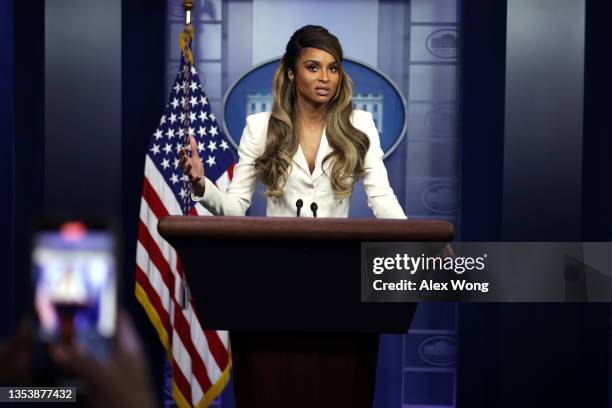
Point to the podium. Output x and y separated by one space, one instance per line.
288 290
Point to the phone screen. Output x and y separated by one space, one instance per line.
75 288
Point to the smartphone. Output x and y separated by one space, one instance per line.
74 284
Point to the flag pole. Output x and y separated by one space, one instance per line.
188 7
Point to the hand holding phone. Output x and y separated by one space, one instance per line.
121 380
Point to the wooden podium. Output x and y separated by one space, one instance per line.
288 290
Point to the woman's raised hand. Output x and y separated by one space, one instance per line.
192 167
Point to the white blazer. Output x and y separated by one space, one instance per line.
315 187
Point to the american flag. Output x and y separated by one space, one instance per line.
200 358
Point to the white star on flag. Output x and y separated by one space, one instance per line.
210 161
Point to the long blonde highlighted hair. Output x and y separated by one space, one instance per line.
349 145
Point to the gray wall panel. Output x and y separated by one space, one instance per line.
543 130
82 167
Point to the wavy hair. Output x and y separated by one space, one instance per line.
349 145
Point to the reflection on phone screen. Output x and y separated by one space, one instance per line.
74 275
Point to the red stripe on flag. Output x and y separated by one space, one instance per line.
150 195
154 298
181 382
216 346
156 256
197 365
230 171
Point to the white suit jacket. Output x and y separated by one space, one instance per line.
315 187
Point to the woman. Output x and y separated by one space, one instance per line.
310 150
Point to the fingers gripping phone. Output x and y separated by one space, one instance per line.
74 277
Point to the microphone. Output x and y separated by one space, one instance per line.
299 203
313 208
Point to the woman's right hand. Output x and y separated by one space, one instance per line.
193 167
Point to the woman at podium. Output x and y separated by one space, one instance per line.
310 150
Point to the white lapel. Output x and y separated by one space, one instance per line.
300 159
